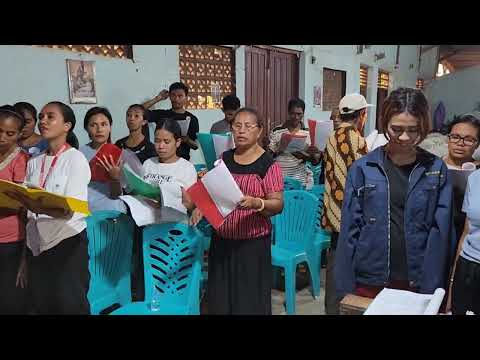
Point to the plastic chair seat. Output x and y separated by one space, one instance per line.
282 255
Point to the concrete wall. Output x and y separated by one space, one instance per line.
38 75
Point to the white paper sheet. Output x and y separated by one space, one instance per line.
222 143
144 213
323 130
375 140
184 124
222 188
295 144
401 302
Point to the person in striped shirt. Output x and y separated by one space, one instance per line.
344 146
293 164
240 264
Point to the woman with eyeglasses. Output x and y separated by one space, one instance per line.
397 229
239 261
463 141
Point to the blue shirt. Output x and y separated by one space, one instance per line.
99 192
471 206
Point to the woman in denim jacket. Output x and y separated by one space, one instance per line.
397 229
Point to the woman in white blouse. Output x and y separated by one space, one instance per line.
58 247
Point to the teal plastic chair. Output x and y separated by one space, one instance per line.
294 237
316 170
200 167
318 191
205 231
110 242
172 263
290 183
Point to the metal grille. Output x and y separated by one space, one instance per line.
114 51
383 80
209 73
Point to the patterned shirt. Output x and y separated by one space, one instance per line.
258 179
344 146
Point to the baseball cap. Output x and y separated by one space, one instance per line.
351 103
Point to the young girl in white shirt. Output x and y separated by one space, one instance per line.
57 254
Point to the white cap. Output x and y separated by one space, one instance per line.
351 103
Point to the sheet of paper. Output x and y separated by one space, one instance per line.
137 186
320 131
221 144
144 213
295 143
401 302
171 196
222 188
184 124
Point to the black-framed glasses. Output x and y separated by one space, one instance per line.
467 140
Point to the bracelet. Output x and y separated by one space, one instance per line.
262 207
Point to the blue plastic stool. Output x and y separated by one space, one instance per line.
172 263
294 241
110 242
290 183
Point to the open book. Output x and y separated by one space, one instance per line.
98 171
295 142
319 132
48 198
402 302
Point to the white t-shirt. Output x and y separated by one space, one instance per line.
70 177
181 171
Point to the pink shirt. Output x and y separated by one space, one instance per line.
12 228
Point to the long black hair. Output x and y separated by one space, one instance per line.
95 111
171 126
68 116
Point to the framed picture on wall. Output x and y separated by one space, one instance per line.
317 96
81 81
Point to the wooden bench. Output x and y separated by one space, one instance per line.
354 305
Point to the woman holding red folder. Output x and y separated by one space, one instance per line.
13 164
56 238
104 157
239 265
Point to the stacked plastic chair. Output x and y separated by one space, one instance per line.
294 241
316 170
172 254
110 242
290 183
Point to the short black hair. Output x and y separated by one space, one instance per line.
67 113
178 86
352 116
145 112
296 103
253 112
230 102
465 119
9 111
171 126
23 106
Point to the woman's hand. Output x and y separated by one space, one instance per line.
22 273
112 168
249 202
196 217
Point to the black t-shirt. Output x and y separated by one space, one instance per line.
398 180
193 128
145 150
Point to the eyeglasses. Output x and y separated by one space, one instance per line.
398 131
467 140
247 126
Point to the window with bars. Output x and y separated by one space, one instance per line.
383 80
114 51
420 84
209 73
334 87
363 80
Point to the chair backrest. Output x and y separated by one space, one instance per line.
316 170
290 183
110 242
296 224
172 261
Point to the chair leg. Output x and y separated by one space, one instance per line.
314 269
290 288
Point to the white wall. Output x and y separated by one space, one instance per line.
38 75
459 91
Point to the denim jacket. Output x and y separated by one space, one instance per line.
363 252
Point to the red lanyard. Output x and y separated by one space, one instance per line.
43 180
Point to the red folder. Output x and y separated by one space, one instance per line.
98 171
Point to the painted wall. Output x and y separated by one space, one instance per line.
459 91
38 75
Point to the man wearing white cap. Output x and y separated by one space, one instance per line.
344 146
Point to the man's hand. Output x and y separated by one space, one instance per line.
162 95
